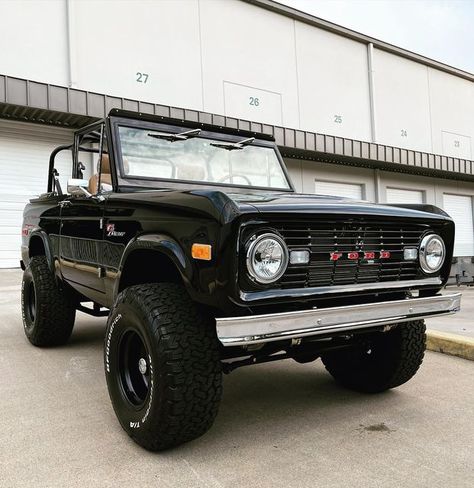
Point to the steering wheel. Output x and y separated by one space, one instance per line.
227 177
174 170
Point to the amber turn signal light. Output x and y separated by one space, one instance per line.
201 251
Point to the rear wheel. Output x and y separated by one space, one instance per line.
386 360
162 365
48 311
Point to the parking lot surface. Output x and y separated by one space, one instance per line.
462 323
280 424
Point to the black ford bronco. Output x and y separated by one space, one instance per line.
192 240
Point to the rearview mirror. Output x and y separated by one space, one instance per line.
78 187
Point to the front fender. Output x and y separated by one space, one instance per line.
164 244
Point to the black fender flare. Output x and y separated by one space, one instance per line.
163 244
39 233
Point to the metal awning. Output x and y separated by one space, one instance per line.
36 102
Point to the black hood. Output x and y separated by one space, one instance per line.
297 203
227 206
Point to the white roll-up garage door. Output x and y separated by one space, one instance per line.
333 188
24 158
459 207
402 195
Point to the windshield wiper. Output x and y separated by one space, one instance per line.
230 146
172 137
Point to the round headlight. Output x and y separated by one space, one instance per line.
267 258
432 253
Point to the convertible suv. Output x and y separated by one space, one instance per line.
192 240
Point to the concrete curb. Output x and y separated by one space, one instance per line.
453 344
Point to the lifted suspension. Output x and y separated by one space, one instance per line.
302 353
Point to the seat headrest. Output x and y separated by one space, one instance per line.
126 165
104 164
192 172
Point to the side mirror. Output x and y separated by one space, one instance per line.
78 187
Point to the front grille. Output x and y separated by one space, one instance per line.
324 238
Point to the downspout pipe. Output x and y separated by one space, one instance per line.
71 72
370 65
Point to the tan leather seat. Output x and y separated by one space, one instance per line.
192 172
105 180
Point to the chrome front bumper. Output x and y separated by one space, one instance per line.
255 329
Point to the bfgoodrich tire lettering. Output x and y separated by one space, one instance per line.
48 312
155 330
387 360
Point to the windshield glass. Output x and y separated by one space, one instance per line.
146 153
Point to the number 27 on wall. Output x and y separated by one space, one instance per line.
141 77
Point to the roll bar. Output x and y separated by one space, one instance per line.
51 170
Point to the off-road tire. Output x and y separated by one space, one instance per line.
48 311
386 361
183 372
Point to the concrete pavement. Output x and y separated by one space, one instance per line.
280 424
463 322
454 334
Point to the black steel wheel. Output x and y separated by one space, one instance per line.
134 367
162 365
30 297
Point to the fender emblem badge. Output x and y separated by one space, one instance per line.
111 232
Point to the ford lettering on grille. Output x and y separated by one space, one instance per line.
335 256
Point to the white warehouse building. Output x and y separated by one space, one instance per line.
352 115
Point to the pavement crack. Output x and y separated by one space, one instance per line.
380 427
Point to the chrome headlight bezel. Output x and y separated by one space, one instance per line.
424 257
255 240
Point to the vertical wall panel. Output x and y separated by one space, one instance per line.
333 83
251 48
402 102
452 114
33 40
147 51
